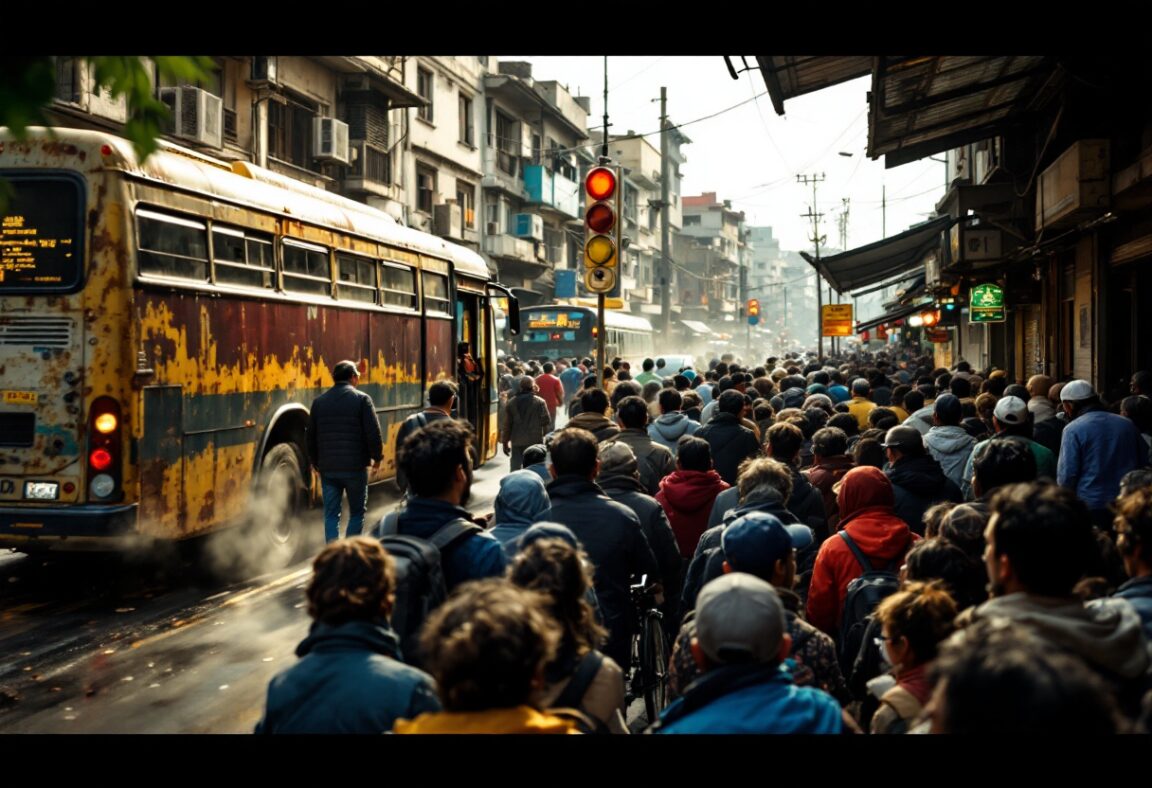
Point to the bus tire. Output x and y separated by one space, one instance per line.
281 497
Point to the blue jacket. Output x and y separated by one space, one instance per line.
348 680
751 699
470 558
1096 449
571 379
522 501
1138 591
343 431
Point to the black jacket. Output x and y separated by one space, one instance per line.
414 422
629 491
731 443
919 482
343 431
615 543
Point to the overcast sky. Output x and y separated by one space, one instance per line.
750 155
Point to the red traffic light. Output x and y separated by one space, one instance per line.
600 218
600 184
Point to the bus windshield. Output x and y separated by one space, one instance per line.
556 332
41 226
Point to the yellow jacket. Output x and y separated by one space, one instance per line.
521 719
860 407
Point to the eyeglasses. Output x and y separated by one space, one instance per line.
879 642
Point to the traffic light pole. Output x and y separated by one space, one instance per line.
600 339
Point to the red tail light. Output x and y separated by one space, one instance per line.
100 459
105 449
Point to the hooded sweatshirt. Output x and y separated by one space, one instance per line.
520 719
917 483
1105 633
687 498
951 446
866 501
670 428
522 501
596 423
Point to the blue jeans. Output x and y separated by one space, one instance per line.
335 484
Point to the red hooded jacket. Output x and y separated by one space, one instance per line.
687 498
866 501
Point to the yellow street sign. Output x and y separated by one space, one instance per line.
836 320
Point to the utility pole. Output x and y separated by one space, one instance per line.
601 334
665 267
816 239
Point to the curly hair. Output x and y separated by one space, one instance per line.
488 643
353 579
922 613
554 567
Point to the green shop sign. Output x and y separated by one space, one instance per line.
986 304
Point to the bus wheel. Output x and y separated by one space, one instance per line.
279 501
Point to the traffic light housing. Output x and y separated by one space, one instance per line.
602 228
753 311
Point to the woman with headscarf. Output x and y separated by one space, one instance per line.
865 500
522 501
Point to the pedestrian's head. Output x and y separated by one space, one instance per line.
829 442
441 394
846 423
993 678
1038 385
670 400
732 402
353 579
693 454
632 412
548 367
692 400
1134 480
947 410
862 488
651 390
345 371
868 451
785 441
1133 525
759 544
554 567
594 401
488 644
739 620
522 499
914 620
1039 539
940 560
1141 383
882 418
860 387
764 479
625 388
437 461
535 454
648 364
1138 408
574 453
527 385
617 459
1001 461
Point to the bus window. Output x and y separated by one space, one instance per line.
240 260
172 247
436 293
356 278
397 286
306 269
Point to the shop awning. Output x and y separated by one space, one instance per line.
696 327
884 259
890 316
788 76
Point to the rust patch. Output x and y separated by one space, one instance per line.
208 507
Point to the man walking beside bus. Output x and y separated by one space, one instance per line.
343 439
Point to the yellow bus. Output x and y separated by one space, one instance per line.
165 325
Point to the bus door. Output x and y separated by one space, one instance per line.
475 369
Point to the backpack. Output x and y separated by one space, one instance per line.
420 585
864 593
572 697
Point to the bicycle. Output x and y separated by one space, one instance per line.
648 676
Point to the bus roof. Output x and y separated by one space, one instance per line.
239 182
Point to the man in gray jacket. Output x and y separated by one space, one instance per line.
526 422
343 440
948 442
673 424
655 461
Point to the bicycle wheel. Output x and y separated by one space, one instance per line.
654 666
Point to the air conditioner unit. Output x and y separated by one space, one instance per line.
530 225
331 139
263 72
493 228
446 220
197 115
1075 187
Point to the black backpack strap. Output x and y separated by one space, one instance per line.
582 678
422 419
861 559
454 530
389 525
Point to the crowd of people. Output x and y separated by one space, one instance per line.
868 545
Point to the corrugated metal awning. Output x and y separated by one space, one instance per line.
696 327
883 259
788 76
892 315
